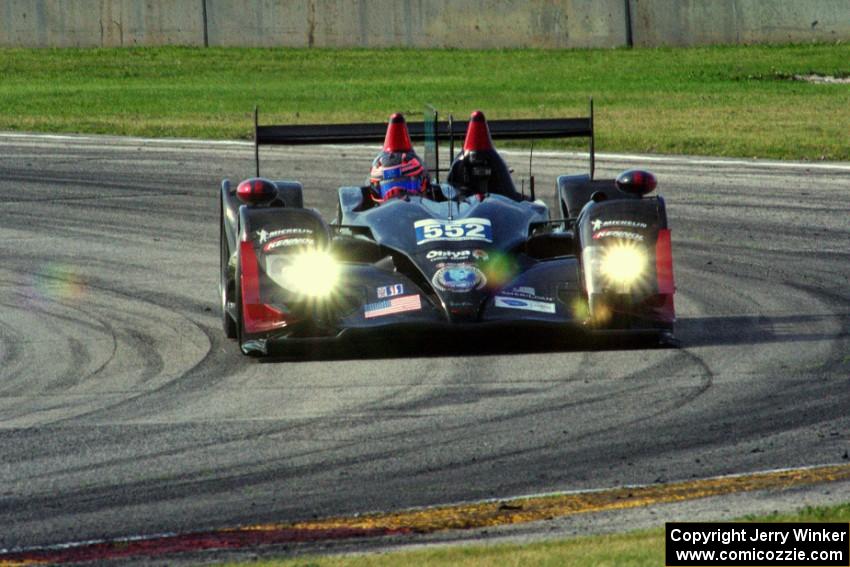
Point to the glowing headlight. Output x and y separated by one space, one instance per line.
623 264
311 273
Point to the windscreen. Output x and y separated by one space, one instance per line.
432 143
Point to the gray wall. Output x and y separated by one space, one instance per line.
418 23
706 22
95 23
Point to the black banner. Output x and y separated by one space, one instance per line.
764 544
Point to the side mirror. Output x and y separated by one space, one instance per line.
256 190
636 182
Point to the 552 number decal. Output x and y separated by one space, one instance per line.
432 230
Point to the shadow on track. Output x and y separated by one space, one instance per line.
759 329
690 332
463 345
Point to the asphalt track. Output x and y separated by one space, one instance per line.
124 411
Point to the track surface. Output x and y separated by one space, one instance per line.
123 410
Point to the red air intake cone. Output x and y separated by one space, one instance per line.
477 134
397 138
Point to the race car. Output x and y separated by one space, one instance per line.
468 254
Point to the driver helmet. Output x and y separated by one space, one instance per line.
397 171
397 174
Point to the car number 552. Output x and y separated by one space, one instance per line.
432 230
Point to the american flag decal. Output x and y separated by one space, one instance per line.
392 306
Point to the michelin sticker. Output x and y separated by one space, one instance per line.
599 224
264 235
459 278
524 304
433 230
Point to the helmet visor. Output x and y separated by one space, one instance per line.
400 186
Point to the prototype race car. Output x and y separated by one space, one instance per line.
467 254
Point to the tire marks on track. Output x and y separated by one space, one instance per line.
142 418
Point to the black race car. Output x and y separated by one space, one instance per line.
469 254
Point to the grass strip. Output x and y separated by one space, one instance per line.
731 101
638 548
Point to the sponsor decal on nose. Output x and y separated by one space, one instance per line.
392 306
390 290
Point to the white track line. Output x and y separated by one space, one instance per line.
125 139
615 157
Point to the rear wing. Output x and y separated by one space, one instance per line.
431 131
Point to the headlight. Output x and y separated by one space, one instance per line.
312 273
624 264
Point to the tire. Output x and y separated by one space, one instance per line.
227 322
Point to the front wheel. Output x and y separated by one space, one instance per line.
227 322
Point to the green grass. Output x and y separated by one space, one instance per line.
631 549
735 101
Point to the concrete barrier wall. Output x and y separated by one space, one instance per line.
418 23
307 23
147 22
100 23
707 22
